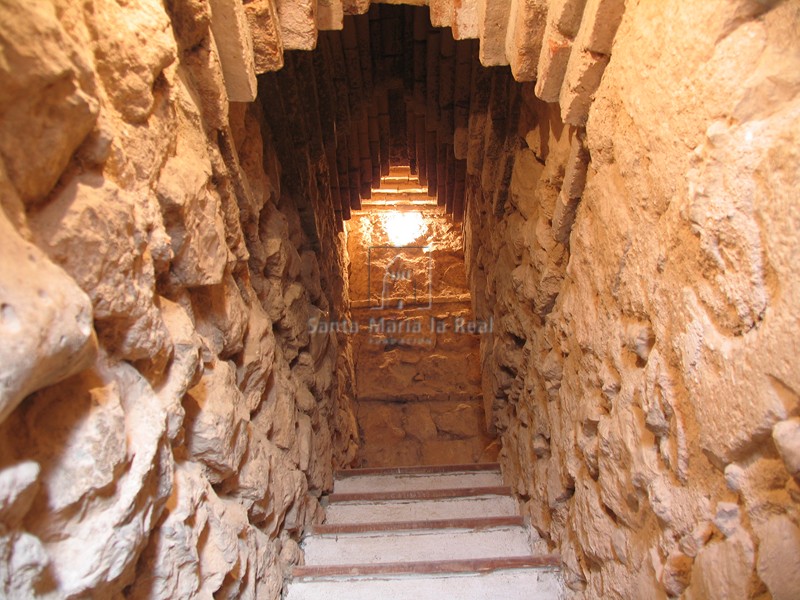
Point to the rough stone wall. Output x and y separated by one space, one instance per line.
643 371
417 365
168 423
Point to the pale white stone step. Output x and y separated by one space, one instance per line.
416 481
416 545
371 511
424 533
399 183
410 192
400 171
503 584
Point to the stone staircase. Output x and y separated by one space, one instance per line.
424 533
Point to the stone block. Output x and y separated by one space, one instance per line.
46 108
722 569
260 576
25 565
581 80
293 324
779 556
786 436
465 19
592 525
449 452
739 426
419 423
191 22
266 35
552 66
216 432
185 368
92 229
309 275
207 85
566 15
170 564
442 12
249 484
298 23
276 415
218 553
601 18
382 422
677 573
355 7
254 364
524 181
564 216
492 28
330 15
19 484
463 421
235 47
589 58
287 490
192 212
129 62
304 443
523 45
576 167
221 316
45 321
106 472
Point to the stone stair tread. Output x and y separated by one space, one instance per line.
430 481
424 533
424 509
397 183
400 189
400 171
502 584
417 545
417 470
434 494
400 203
429 567
475 523
411 193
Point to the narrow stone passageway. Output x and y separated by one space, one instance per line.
277 276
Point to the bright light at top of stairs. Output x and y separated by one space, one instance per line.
403 227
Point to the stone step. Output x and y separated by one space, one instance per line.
419 470
400 183
425 204
404 190
427 509
472 523
394 481
400 171
517 578
417 545
434 494
424 533
420 199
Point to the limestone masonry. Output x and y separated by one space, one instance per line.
604 297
